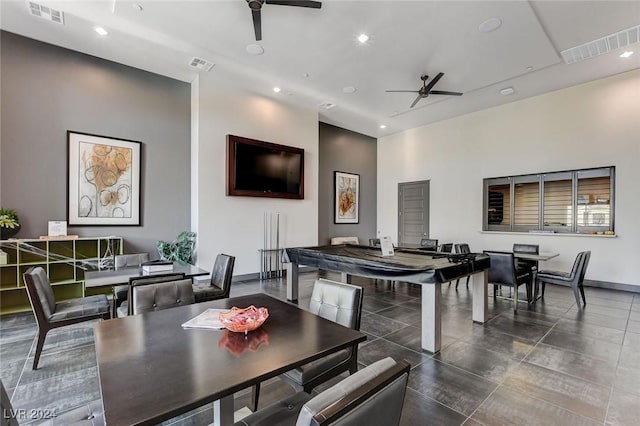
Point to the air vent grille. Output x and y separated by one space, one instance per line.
326 105
46 12
601 46
201 64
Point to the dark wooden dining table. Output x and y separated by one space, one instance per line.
152 369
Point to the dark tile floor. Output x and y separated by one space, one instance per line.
549 364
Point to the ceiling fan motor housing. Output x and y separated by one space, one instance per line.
255 4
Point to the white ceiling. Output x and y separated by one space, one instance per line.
312 54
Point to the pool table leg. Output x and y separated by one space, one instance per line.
431 315
223 411
292 281
479 283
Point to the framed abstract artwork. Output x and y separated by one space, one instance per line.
103 176
346 197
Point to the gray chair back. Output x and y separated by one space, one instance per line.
526 248
145 280
586 255
372 396
337 302
462 248
502 270
163 295
429 244
40 294
129 260
374 242
344 240
222 273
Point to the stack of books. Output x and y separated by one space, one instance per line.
157 266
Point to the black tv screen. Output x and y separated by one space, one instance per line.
263 169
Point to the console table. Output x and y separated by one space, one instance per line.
64 260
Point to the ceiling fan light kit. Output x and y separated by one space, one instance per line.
426 89
256 7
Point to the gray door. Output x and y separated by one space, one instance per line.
413 213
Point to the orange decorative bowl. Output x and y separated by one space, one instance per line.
244 320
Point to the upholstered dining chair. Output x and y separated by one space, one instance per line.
429 244
90 414
462 248
337 302
527 249
121 261
126 307
373 396
374 242
503 272
51 314
220 284
574 278
162 295
446 248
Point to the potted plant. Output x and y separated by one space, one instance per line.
180 250
9 223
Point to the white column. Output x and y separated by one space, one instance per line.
479 284
431 326
223 411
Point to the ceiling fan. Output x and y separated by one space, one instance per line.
425 90
256 6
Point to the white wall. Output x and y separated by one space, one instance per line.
591 125
234 225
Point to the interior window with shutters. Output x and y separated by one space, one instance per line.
526 203
558 206
575 201
498 204
594 200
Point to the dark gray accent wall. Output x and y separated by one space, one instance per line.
346 151
47 90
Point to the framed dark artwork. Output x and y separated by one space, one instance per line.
103 176
346 197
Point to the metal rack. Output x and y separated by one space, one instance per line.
270 255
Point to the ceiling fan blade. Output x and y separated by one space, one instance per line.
402 91
433 82
299 3
443 92
257 24
416 101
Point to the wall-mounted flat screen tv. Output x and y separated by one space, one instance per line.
263 169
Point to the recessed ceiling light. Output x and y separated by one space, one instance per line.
349 89
276 89
101 31
489 25
383 126
362 38
507 91
626 54
137 7
305 74
254 49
